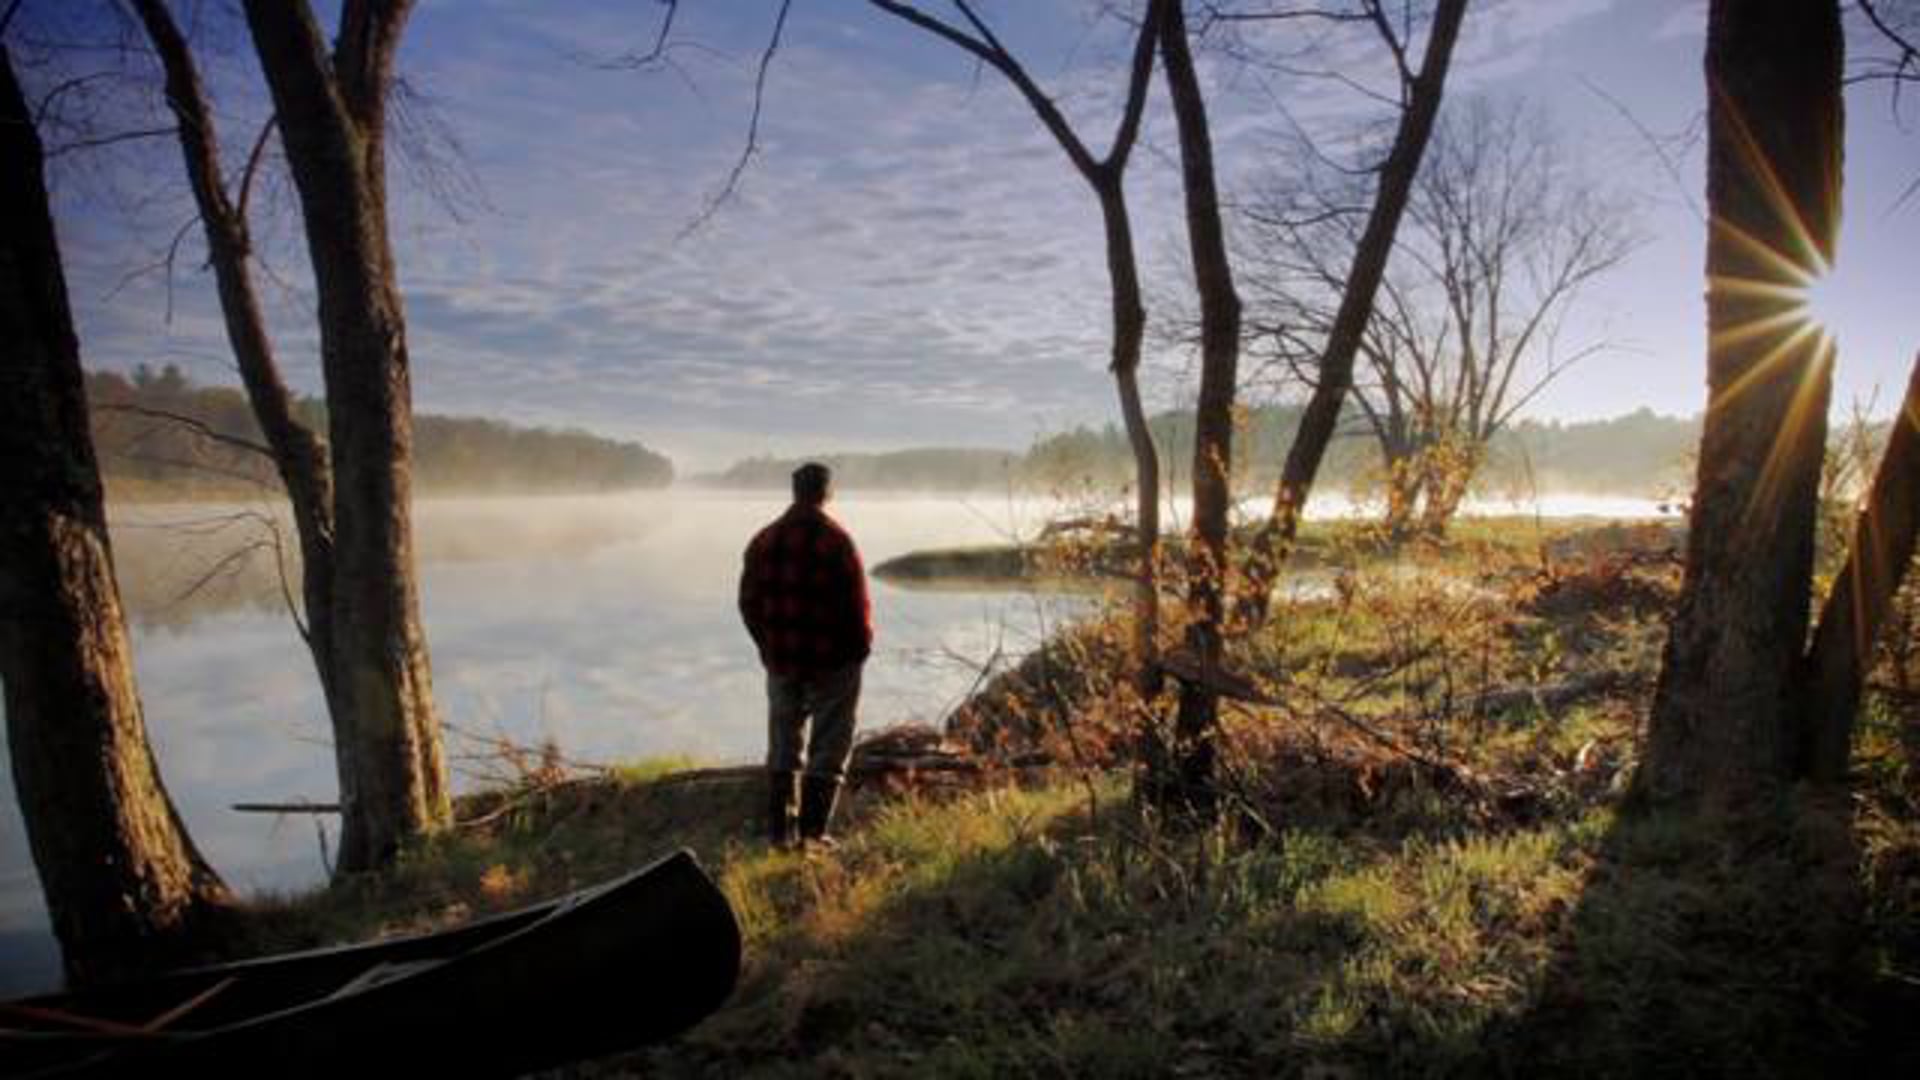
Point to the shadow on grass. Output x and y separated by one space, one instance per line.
1707 948
1018 937
1019 932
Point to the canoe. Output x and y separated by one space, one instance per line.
609 968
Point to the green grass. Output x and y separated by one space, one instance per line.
1350 920
1033 932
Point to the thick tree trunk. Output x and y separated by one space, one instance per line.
1191 788
1721 725
330 108
1272 543
298 453
124 884
1862 597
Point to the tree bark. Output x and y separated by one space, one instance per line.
1721 727
298 454
1129 331
1273 542
330 111
1108 180
125 886
1857 609
1191 788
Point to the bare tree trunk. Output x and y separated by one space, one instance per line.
298 453
1191 788
1107 177
1444 496
1129 330
331 112
1404 481
1722 713
125 886
1449 469
1862 597
1335 372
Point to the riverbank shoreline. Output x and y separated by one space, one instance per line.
1357 911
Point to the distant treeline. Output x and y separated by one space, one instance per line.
1641 453
160 435
923 469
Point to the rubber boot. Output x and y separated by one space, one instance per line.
782 806
817 797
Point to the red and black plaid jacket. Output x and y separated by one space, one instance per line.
803 594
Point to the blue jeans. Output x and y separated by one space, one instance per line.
828 700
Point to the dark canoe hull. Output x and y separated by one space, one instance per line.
610 968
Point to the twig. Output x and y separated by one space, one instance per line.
193 424
109 140
225 565
519 799
1653 143
1237 687
661 43
252 169
752 147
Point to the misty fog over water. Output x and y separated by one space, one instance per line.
605 623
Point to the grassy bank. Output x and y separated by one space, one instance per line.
1088 556
1358 913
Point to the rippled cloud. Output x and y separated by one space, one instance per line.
909 259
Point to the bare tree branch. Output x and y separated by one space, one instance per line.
659 55
193 424
1653 143
1211 14
989 51
1906 67
47 101
252 169
661 41
95 142
1105 177
199 467
164 264
752 147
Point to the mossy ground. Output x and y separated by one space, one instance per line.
1349 918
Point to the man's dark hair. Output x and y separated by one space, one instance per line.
811 483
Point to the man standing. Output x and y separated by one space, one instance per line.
803 596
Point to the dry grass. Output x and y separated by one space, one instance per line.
1349 917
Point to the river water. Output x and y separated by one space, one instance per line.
605 624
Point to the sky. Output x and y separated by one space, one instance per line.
909 260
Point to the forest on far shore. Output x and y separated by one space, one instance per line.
162 436
1640 453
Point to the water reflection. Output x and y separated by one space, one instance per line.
606 624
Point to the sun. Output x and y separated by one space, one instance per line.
1823 301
